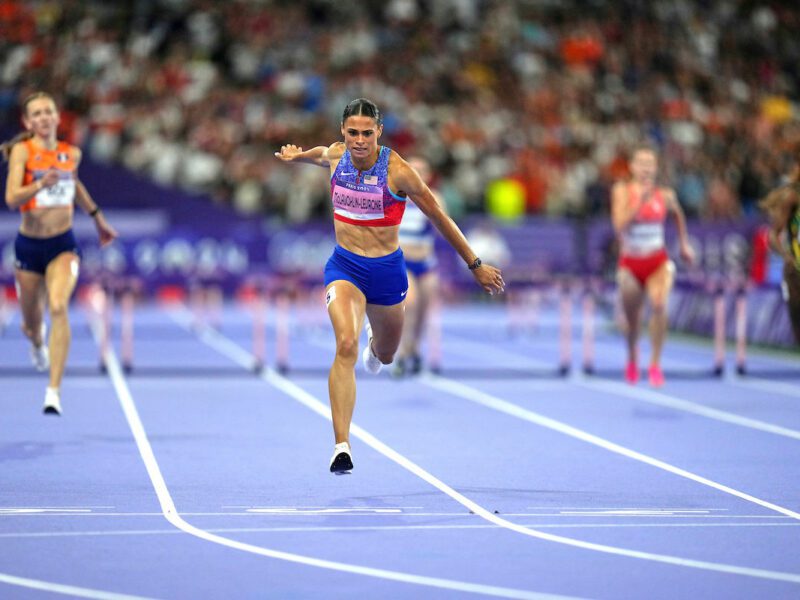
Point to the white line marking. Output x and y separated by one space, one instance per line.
67 590
306 399
316 507
757 383
325 511
622 508
661 399
31 511
171 513
753 382
368 514
495 403
637 512
404 527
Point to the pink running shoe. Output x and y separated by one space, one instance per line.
655 375
632 373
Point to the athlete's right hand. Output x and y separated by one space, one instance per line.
50 178
289 152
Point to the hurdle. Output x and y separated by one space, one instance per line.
741 329
721 293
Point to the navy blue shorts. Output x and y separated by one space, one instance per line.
382 280
419 267
34 254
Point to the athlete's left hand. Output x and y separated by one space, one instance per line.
106 232
687 254
490 279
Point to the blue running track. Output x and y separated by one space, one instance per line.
192 477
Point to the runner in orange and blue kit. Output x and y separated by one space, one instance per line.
366 275
639 208
43 185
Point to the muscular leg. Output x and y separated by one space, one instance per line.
61 276
387 329
632 297
346 312
658 287
407 341
30 289
427 286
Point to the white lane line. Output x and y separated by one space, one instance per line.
42 511
67 590
669 401
249 506
654 397
765 385
171 514
489 401
624 508
327 511
636 512
749 381
404 515
237 354
405 527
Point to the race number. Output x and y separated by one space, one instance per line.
61 194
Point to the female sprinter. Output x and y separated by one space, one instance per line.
782 206
366 274
417 243
638 210
43 184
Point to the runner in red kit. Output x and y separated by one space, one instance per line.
639 209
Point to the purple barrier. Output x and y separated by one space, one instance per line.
169 237
691 309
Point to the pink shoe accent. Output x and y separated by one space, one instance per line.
632 373
655 375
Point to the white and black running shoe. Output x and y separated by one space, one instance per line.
52 402
342 461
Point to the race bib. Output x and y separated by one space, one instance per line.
643 238
61 194
358 201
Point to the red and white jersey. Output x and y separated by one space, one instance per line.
644 235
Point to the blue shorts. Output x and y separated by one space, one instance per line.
382 280
419 267
34 254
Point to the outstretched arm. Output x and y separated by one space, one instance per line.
673 206
408 180
105 232
319 155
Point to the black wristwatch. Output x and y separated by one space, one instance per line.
475 264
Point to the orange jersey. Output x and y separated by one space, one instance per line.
40 160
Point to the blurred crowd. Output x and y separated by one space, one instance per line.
548 95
